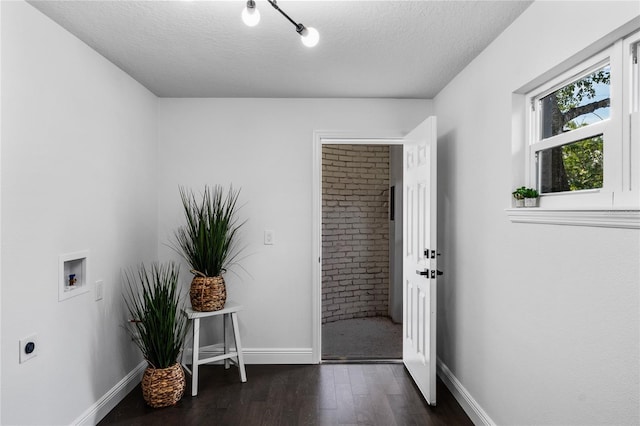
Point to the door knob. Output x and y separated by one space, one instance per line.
423 273
434 273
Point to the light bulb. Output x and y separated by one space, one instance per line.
251 16
310 36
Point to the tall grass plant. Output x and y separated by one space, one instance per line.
154 302
209 239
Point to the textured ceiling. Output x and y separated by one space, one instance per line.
382 49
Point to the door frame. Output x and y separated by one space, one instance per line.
331 138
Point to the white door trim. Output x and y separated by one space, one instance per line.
334 138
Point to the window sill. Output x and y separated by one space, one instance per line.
629 219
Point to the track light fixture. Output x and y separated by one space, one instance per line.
251 17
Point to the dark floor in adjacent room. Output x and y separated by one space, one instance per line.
362 338
325 394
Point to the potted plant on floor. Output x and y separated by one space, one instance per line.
158 328
209 243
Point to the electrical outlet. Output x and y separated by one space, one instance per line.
28 347
269 237
99 290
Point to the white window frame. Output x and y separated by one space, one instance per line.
620 183
617 204
609 128
631 122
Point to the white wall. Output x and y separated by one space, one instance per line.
265 147
78 172
540 323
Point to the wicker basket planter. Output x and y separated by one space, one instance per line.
207 293
163 387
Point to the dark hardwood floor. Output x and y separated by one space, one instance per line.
326 394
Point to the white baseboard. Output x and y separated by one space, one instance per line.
278 355
109 400
260 355
470 406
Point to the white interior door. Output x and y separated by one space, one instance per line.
419 270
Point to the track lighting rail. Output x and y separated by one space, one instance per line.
251 17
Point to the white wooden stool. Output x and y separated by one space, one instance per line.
230 311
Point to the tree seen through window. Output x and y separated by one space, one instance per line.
578 165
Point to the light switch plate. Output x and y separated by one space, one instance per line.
269 237
99 290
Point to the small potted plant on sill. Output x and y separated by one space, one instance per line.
519 195
525 197
158 328
530 197
209 243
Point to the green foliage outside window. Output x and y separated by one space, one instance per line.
583 163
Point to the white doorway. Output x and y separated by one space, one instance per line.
357 226
320 139
419 295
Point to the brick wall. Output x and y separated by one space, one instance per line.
355 231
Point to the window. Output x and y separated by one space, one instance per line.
575 166
562 162
583 127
